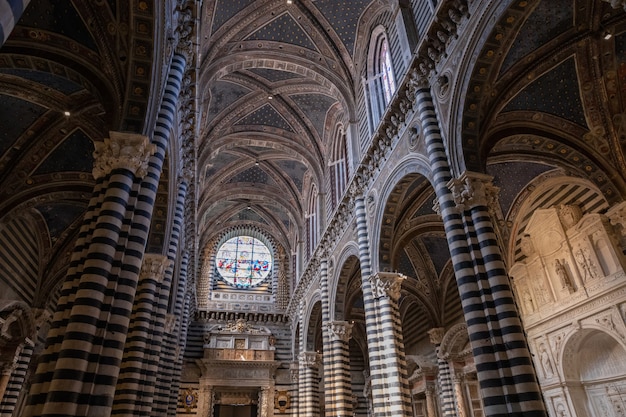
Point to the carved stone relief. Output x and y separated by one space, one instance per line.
569 284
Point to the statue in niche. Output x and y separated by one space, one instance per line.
586 264
564 278
548 371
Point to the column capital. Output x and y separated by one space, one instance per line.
472 189
436 335
154 266
387 284
309 359
356 189
418 80
122 150
339 330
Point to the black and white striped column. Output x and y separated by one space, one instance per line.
308 385
381 367
444 376
78 371
134 392
386 291
10 12
16 370
506 377
338 381
503 342
326 353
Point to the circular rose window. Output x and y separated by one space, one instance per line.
244 261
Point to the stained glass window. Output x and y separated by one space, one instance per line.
389 84
244 261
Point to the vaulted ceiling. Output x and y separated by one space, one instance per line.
275 78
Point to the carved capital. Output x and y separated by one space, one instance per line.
436 335
339 330
472 189
122 150
387 284
417 80
154 266
309 359
357 186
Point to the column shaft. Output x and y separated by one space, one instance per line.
132 395
308 386
394 375
338 388
376 362
481 298
16 380
79 369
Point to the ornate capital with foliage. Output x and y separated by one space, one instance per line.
122 150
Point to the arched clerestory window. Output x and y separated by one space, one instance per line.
380 84
311 218
338 166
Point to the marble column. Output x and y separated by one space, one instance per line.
308 385
431 402
338 386
78 370
135 388
505 372
397 396
444 379
459 396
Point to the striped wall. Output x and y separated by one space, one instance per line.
19 256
